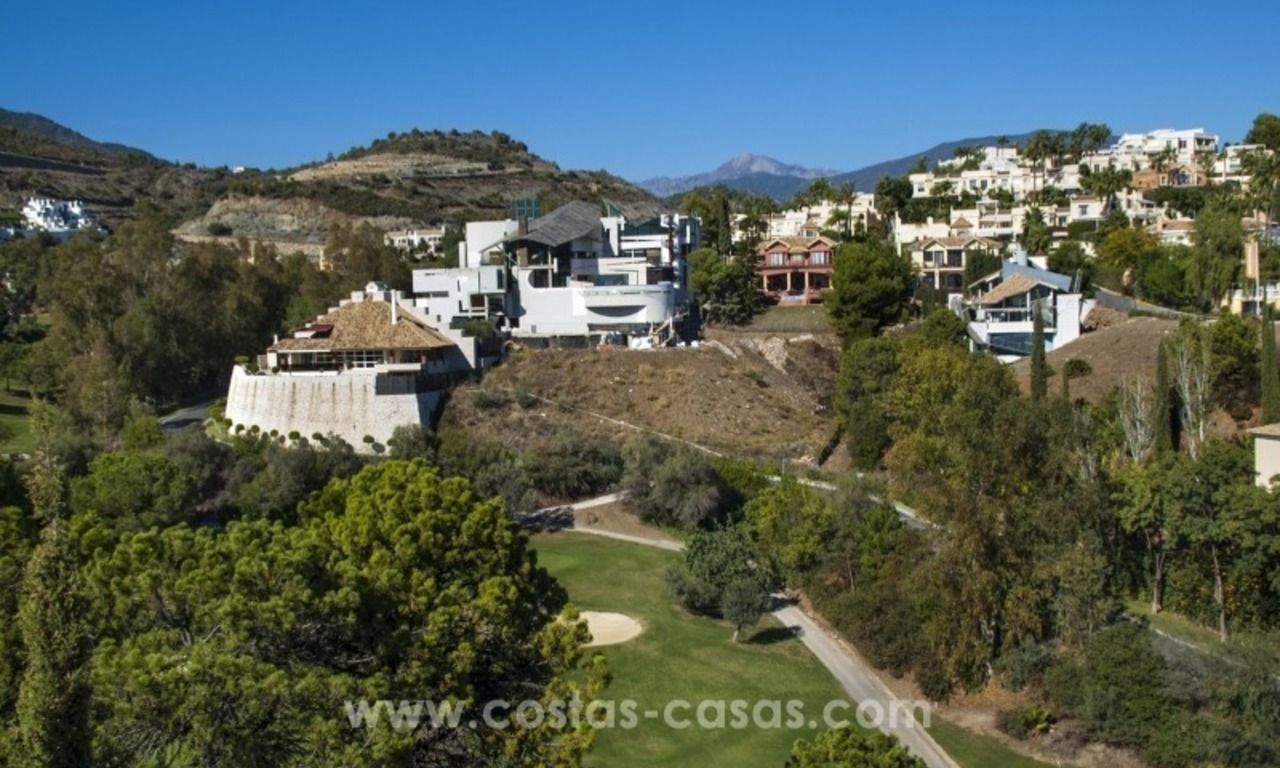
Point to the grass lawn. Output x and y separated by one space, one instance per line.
973 750
682 657
14 415
810 318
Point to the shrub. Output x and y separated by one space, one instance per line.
218 229
1021 723
1075 367
295 435
524 398
933 679
1025 665
694 595
485 400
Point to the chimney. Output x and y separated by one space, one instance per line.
522 252
394 300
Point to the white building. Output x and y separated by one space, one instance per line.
572 272
59 219
417 239
365 367
1138 151
1001 310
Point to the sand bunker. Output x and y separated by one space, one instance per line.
610 628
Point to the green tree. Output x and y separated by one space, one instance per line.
52 709
1039 366
1269 370
851 748
871 289
1218 239
742 604
1266 131
1036 236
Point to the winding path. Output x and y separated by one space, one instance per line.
857 678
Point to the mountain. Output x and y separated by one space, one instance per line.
744 166
416 177
39 125
783 184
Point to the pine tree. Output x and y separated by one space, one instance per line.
54 697
1039 366
1163 407
1270 375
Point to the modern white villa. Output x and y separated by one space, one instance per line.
1001 309
579 271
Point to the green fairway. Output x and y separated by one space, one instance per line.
14 415
972 750
682 657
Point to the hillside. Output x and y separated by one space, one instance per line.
761 398
784 186
41 158
38 125
415 177
1127 348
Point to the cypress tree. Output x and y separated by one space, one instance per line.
1270 375
1066 386
54 696
1039 366
1163 406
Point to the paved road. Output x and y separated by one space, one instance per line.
183 417
857 678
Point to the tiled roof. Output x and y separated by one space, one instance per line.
797 243
956 242
1014 286
961 223
367 325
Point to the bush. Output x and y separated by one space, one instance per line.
523 397
1075 367
1021 723
571 467
1025 665
933 679
485 400
694 595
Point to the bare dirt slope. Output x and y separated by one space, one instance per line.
730 399
1113 353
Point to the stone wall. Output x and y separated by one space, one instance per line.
340 403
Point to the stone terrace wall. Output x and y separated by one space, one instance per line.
341 403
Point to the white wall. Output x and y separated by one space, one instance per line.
342 403
1266 459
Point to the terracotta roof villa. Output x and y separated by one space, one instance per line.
361 334
357 372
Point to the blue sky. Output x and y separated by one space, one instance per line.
658 88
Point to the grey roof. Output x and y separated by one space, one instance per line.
563 225
1059 281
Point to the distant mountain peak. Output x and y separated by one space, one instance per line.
739 166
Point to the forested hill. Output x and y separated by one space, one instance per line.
32 124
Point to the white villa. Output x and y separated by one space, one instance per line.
59 219
1001 309
417 239
359 371
573 272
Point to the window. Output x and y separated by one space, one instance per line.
818 258
955 258
1084 210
